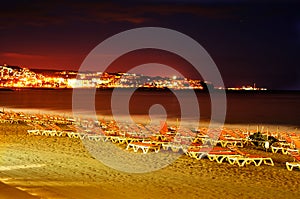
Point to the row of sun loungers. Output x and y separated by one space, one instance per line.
44 132
293 142
246 158
174 147
249 159
218 154
145 147
284 150
14 117
146 139
221 154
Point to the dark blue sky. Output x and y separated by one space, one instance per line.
250 41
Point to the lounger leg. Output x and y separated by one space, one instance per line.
284 151
200 156
242 162
157 149
217 158
269 161
135 148
195 155
220 159
248 161
231 160
128 146
257 162
289 167
223 143
145 150
211 158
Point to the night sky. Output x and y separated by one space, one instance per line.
249 41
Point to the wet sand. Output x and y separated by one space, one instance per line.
61 167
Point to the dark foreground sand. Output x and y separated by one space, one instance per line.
51 167
9 192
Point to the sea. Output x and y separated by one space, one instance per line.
246 107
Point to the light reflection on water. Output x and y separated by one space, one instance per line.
250 107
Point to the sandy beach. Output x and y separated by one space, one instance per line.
61 167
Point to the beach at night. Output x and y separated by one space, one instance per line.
149 99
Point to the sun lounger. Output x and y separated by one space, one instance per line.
76 135
134 139
258 160
60 133
33 132
292 151
196 153
291 165
234 142
200 138
193 146
278 149
219 156
175 147
117 139
124 140
210 141
284 150
48 132
246 159
97 137
202 152
228 140
145 147
296 163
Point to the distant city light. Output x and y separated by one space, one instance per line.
17 77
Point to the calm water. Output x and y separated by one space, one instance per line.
244 107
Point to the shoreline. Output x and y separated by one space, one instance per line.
227 90
141 119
